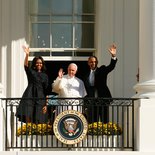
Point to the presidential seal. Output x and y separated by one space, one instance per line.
70 127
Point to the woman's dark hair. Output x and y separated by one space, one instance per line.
33 66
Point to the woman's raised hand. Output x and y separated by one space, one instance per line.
26 49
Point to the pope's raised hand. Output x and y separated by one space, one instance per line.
61 73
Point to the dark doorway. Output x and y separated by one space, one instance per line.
54 66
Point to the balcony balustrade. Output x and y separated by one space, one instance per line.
115 134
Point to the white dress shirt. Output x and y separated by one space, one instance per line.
92 77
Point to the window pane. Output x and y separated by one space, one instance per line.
40 36
84 36
61 6
40 18
39 6
62 24
61 35
84 6
62 18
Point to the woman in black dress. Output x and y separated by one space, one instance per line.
32 107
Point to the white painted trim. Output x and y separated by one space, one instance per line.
58 58
4 71
61 49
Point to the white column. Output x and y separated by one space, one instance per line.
18 21
146 85
146 136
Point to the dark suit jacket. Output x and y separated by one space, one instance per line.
101 74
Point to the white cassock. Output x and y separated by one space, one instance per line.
68 87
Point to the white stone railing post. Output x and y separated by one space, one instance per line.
146 87
2 142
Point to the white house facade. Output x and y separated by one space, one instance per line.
130 24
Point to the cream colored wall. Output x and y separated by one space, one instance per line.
13 32
118 22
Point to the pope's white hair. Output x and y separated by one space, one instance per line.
73 64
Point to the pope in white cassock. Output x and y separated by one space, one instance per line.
69 86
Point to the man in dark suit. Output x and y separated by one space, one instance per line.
96 86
